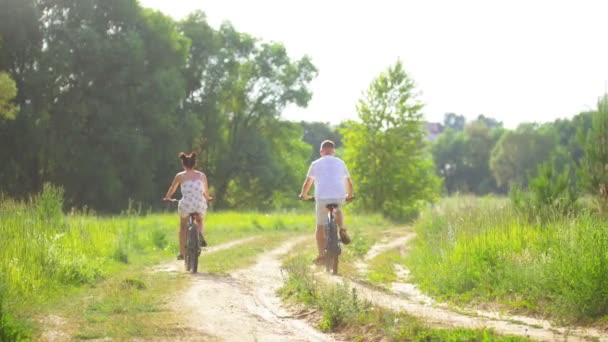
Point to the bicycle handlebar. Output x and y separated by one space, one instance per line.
313 199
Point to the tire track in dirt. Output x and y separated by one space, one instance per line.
243 306
176 265
54 327
406 297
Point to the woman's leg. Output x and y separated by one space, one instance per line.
199 225
183 221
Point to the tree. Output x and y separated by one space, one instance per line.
593 169
462 158
260 80
8 91
386 151
454 121
519 152
111 92
449 155
489 122
315 133
481 137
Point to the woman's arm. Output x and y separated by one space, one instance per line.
206 189
172 188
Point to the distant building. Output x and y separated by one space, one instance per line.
433 130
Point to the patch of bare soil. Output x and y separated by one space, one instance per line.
404 296
53 329
243 306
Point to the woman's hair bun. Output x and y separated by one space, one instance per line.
189 160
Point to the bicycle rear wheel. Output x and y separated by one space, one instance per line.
192 250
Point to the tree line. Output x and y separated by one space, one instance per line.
483 157
99 96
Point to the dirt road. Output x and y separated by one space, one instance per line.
243 306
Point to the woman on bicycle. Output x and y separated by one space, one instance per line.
195 196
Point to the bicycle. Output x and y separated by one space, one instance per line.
193 243
333 243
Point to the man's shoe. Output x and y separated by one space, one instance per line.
319 260
202 240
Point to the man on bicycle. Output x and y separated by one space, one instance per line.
332 186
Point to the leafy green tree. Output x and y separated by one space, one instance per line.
20 48
462 158
315 133
551 193
237 88
260 80
449 155
519 152
481 137
110 92
386 151
112 83
593 170
489 122
8 91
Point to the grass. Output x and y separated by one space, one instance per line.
127 304
49 257
381 269
241 256
474 250
342 311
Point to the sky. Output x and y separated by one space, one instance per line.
517 60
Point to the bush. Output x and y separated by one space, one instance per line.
550 195
339 305
49 203
397 211
299 283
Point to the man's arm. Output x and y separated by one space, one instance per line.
306 187
349 188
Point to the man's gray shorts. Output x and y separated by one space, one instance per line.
322 211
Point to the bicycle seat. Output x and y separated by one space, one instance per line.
332 206
195 215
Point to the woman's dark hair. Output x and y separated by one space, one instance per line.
189 160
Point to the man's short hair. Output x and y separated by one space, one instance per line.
327 144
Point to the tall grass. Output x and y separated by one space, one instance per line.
479 249
44 253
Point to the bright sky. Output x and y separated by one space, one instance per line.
516 60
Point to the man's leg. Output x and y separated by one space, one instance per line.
321 220
321 239
339 218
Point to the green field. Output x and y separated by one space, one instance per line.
47 258
476 250
45 255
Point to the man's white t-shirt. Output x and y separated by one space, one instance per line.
329 173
